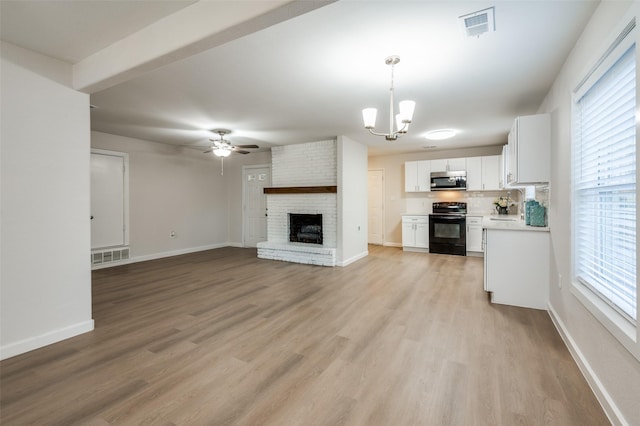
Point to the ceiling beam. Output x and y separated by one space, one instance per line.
194 29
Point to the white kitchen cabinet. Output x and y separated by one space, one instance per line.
504 165
483 173
415 233
474 174
417 176
449 165
474 234
529 149
490 172
516 267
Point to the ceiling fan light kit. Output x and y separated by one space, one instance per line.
403 119
223 148
222 152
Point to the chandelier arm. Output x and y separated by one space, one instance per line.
377 134
391 136
405 124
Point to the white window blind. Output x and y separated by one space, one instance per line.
604 190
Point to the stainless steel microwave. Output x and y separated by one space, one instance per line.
449 181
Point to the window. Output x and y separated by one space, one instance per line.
604 180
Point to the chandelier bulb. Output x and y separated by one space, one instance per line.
369 117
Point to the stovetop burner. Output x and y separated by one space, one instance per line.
449 207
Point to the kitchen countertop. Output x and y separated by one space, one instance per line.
512 223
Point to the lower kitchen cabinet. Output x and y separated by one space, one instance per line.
516 267
415 233
474 234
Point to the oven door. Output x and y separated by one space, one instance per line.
448 234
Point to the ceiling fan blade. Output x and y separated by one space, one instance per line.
241 152
247 146
208 151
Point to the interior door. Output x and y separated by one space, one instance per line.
376 206
255 212
107 200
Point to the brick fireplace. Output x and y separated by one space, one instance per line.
305 165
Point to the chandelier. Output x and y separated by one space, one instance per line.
402 120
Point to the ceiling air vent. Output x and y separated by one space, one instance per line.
477 23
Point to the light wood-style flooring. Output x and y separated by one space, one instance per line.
223 338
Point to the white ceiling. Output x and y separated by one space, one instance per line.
309 77
73 30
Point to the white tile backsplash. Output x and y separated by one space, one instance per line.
478 202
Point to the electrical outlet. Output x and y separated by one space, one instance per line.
172 234
559 280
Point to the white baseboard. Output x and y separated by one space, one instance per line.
608 404
163 254
177 252
239 245
392 244
353 259
26 345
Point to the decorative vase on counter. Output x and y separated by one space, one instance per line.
502 210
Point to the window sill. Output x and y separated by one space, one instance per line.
624 331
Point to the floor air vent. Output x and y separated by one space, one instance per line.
106 256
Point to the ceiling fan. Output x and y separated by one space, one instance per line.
223 148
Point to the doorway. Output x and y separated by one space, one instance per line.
376 206
109 199
255 179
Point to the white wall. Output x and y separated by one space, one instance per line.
171 189
352 201
610 368
45 286
180 189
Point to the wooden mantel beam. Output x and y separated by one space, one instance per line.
302 190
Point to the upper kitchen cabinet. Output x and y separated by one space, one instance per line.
483 173
504 165
491 172
417 176
528 150
449 165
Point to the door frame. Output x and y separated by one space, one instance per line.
244 195
125 160
384 209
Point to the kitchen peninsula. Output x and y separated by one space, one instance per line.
516 262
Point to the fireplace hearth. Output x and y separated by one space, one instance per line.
305 228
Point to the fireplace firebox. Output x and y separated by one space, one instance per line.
305 228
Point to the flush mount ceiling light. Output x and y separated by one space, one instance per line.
440 134
403 119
